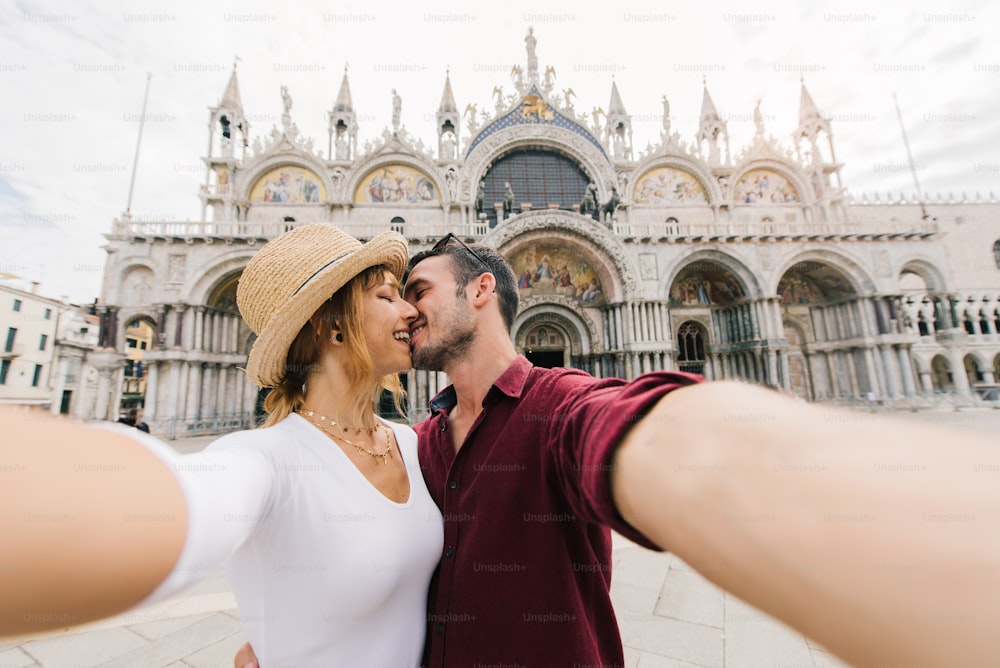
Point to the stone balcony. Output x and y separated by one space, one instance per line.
661 232
850 230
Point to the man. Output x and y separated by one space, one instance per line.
517 458
531 466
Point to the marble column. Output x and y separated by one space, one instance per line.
783 370
874 381
207 394
151 411
892 371
193 407
961 379
906 371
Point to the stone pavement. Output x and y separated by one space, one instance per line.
670 616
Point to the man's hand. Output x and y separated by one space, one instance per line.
245 658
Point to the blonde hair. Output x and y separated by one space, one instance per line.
345 311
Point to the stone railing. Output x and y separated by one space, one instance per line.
858 228
174 428
263 231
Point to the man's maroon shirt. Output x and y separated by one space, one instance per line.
526 562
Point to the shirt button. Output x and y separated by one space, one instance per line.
450 551
440 629
452 484
444 426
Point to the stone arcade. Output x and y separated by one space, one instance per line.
756 265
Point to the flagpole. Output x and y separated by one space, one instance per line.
135 161
909 156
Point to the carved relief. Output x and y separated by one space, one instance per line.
647 266
176 267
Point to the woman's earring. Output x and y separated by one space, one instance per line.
338 337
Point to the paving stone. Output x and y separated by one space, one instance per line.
824 659
177 646
632 600
159 628
689 597
656 661
219 653
631 657
84 649
15 658
673 639
756 639
639 566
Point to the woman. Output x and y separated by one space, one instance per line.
322 517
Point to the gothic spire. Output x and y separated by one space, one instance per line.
710 130
344 102
708 112
807 108
616 106
447 98
231 97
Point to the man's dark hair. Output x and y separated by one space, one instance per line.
467 267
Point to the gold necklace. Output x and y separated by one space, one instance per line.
357 430
389 437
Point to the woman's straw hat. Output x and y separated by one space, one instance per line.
291 277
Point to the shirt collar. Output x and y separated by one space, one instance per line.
511 383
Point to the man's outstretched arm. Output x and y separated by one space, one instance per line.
878 538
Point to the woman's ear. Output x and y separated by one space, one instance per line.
316 321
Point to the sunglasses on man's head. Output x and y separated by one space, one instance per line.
446 239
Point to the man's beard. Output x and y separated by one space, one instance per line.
460 334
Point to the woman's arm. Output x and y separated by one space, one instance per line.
91 522
878 538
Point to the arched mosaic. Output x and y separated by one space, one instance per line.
763 186
223 297
396 183
547 269
705 283
666 185
288 185
812 282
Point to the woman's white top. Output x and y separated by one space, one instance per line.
326 570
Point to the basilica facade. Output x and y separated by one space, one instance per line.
752 263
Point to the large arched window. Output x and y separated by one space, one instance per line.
691 348
536 176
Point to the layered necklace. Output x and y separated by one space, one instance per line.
327 424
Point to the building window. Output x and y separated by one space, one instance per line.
11 333
17 305
142 345
996 252
691 348
538 177
44 340
132 343
396 224
48 314
37 376
4 368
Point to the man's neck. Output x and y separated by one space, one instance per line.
473 376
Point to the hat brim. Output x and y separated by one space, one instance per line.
266 364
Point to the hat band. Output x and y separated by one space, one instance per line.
322 269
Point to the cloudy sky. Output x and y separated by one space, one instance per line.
72 75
